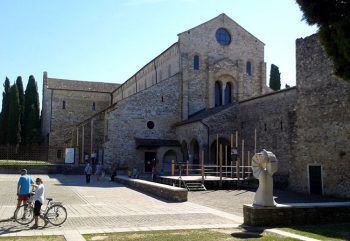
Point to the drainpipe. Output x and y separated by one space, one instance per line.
208 131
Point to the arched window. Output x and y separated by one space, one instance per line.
228 95
218 94
249 68
196 62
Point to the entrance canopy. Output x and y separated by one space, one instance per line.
140 143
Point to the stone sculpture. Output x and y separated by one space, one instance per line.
264 165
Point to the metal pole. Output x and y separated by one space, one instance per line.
220 165
225 161
242 159
202 167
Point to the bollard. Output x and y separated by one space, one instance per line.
172 167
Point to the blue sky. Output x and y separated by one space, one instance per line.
109 40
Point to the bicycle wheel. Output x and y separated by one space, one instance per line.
24 214
56 215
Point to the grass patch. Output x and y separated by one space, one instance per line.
185 235
24 163
323 232
34 238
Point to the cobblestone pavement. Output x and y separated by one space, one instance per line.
107 207
103 207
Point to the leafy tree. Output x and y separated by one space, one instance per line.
4 112
19 84
31 128
14 124
333 19
275 78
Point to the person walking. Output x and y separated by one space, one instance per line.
88 172
99 169
38 202
23 188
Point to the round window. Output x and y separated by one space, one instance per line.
223 36
150 124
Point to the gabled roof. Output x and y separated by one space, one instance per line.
203 114
77 85
224 16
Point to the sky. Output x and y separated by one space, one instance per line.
110 40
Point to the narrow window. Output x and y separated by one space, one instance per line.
64 104
196 62
228 96
265 128
162 99
93 106
218 94
281 125
249 68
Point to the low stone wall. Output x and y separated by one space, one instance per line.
297 214
164 191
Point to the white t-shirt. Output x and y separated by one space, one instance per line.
39 193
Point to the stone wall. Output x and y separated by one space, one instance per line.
323 120
128 120
273 117
201 41
160 68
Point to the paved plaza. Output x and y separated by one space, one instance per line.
106 207
103 207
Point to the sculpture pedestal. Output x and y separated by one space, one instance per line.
296 214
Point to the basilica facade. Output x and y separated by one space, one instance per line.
205 90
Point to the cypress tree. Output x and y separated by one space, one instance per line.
14 124
275 78
4 112
19 84
31 130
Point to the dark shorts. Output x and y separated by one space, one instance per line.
37 208
23 197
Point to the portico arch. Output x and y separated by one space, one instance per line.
194 152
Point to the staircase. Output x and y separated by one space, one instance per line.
195 186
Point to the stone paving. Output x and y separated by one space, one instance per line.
103 207
108 207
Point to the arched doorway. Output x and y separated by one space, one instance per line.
194 152
169 156
184 150
213 147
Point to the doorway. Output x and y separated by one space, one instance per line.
149 156
315 180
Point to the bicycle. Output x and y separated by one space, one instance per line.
55 213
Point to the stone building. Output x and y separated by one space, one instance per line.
200 92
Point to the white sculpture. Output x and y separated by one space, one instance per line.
264 165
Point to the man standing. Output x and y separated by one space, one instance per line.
23 188
88 172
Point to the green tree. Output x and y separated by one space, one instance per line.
333 19
31 128
14 124
4 112
275 78
19 84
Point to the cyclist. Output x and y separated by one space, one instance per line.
39 200
23 188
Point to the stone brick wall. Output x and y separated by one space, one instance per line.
201 41
160 103
160 68
323 120
79 97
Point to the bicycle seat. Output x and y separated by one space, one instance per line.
49 199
